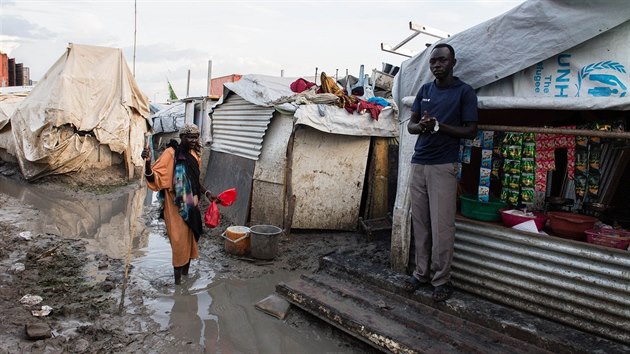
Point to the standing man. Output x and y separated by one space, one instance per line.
444 111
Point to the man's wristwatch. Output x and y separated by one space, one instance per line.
436 127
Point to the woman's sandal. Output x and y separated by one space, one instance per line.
412 284
442 292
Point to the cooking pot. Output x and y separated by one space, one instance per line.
558 203
594 209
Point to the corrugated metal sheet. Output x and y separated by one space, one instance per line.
268 189
575 283
267 204
273 160
238 127
327 178
228 171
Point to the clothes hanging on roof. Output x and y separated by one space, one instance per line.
379 101
373 108
301 85
362 106
329 85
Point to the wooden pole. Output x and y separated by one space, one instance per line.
562 131
135 27
209 88
188 85
378 204
289 197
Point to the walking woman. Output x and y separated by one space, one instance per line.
175 175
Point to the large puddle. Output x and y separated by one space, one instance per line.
215 314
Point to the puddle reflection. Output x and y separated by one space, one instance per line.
110 224
213 315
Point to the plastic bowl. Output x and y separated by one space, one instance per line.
609 237
473 208
510 220
569 225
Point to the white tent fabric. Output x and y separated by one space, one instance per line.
334 120
87 98
170 118
591 75
263 90
8 104
524 36
513 44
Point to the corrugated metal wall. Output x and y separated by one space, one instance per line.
238 127
268 190
575 283
328 173
229 171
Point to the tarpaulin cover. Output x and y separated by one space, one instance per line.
532 32
87 98
335 120
262 90
592 75
170 118
8 104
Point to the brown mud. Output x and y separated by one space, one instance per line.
84 285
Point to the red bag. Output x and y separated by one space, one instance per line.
212 216
227 197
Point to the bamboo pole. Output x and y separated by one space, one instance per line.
562 131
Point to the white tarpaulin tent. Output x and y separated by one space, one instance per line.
8 104
170 118
87 100
543 54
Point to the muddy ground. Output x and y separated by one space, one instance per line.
84 288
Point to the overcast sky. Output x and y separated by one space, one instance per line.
239 36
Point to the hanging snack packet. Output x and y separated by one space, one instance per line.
593 186
527 195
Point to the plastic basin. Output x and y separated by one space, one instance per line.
569 225
472 208
609 237
510 220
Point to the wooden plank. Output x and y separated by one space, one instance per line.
393 323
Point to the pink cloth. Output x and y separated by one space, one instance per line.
373 108
546 144
301 85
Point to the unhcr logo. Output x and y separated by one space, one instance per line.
603 79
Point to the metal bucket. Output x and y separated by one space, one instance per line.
264 241
237 240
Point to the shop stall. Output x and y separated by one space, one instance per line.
542 223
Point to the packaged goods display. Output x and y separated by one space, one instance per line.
518 151
523 163
587 173
486 143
